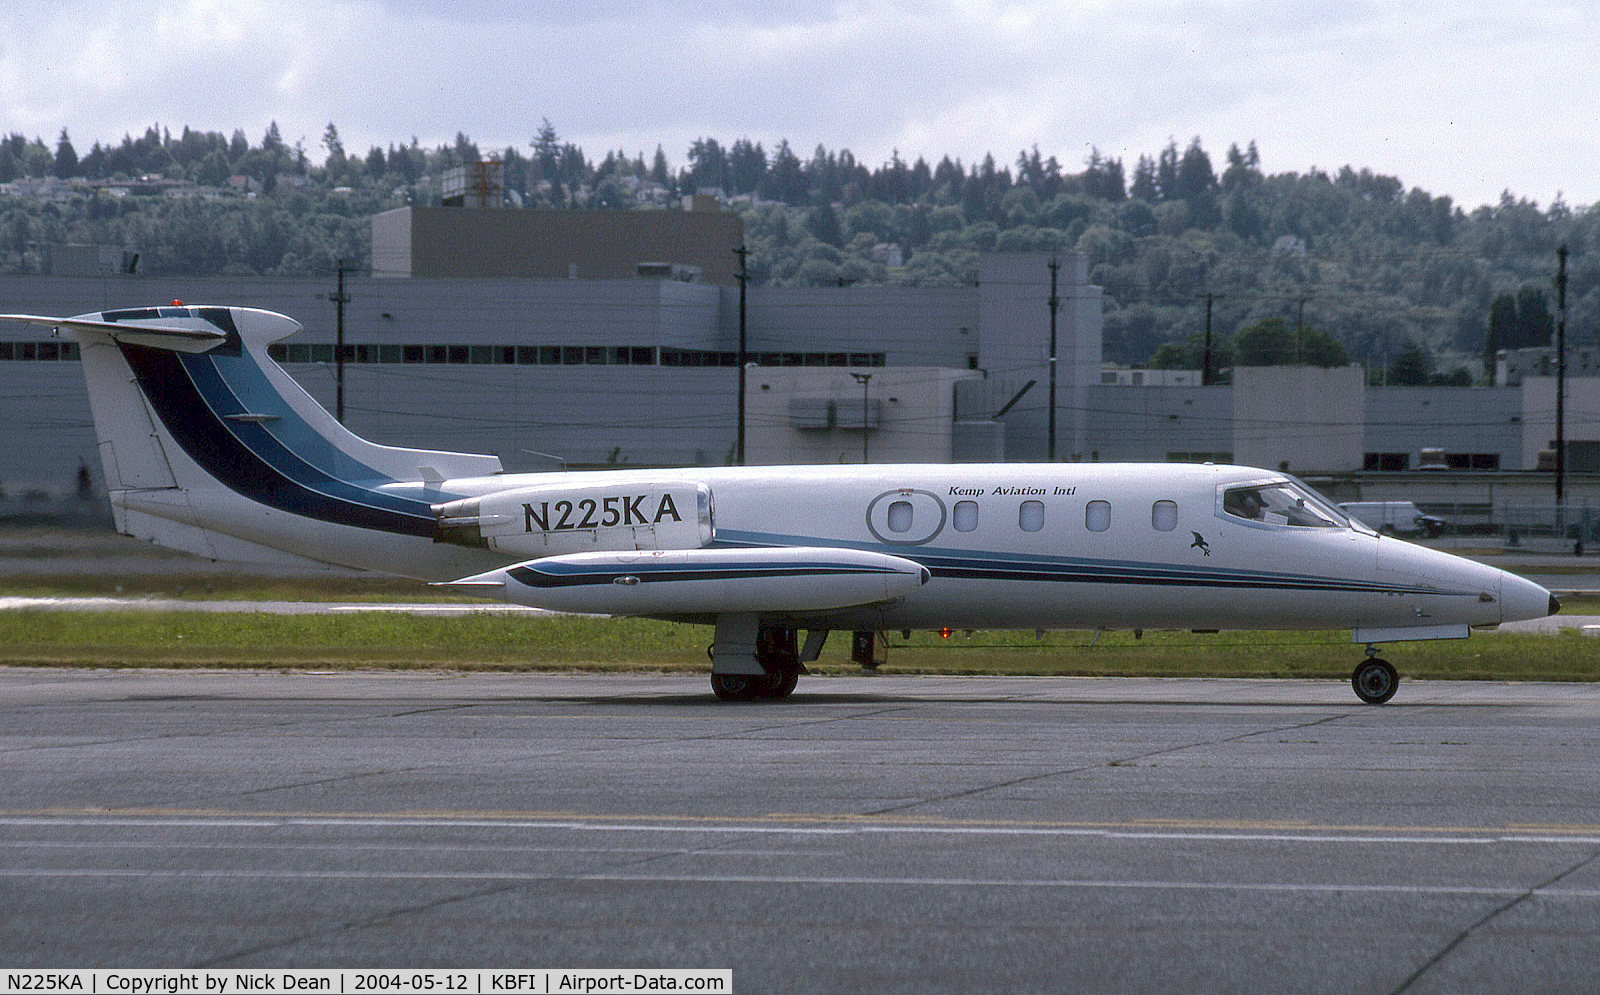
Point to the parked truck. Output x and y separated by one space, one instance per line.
1395 518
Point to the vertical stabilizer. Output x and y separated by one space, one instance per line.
200 432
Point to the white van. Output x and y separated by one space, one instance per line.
1395 518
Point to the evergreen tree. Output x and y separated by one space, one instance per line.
1242 173
1103 177
1195 177
1534 323
746 166
1167 172
823 223
1412 368
1144 180
336 161
213 170
708 165
66 157
786 178
1502 331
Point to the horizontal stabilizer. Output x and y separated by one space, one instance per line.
185 335
702 581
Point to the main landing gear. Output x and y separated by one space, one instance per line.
776 654
748 687
1374 680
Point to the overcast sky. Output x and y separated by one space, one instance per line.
1461 99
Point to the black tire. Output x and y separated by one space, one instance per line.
775 687
736 687
1374 681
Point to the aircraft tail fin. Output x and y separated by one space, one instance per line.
197 426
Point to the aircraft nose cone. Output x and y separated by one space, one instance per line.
1522 599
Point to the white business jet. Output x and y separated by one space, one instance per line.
210 447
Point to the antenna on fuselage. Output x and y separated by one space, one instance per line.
549 456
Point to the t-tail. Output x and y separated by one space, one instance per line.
210 447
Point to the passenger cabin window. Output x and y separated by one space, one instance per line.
1030 517
964 516
1164 516
1279 504
900 516
1097 516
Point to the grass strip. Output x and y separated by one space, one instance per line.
506 642
227 587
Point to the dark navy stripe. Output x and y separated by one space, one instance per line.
1156 579
949 563
166 380
536 577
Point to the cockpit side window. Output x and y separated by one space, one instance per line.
1281 503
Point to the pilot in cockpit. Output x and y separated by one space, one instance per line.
1243 503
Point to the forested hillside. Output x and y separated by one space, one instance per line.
1352 263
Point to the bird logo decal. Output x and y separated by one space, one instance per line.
1200 543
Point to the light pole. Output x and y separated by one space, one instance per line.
743 276
863 379
340 299
1055 305
1561 378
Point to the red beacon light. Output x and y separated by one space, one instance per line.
945 631
177 303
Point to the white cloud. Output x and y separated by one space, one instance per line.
1460 101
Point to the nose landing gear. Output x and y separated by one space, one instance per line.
1374 680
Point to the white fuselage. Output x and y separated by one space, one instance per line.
1013 546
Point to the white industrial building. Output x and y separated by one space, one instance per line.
545 371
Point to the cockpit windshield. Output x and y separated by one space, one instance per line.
1282 502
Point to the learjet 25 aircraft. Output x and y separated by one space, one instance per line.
210 447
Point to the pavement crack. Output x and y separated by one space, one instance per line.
790 724
1115 762
1489 917
356 924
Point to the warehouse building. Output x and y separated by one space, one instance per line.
546 372
570 339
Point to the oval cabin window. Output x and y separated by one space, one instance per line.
1097 516
1030 517
900 516
964 516
1164 516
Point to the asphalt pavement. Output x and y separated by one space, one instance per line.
870 834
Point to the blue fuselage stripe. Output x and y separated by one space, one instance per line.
193 394
947 563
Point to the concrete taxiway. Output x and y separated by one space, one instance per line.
871 834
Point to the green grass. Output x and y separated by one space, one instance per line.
505 641
386 640
225 587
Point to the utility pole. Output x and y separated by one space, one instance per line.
1205 366
1561 374
340 299
743 276
862 379
1055 305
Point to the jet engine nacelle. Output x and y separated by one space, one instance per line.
550 521
702 581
